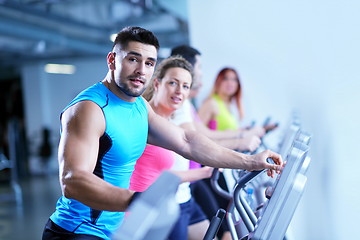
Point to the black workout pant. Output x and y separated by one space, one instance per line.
209 200
55 232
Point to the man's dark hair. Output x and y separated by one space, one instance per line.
186 52
137 34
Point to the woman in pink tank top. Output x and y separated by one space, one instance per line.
167 91
169 87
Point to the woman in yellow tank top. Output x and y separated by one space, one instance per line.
215 111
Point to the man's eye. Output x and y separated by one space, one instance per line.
133 59
150 64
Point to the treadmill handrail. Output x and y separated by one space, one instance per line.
215 185
215 225
250 218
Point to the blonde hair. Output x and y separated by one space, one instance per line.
166 64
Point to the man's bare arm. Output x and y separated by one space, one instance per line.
197 147
82 126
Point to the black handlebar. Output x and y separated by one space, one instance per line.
215 225
215 185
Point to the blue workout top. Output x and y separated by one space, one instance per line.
121 145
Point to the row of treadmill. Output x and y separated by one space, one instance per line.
153 214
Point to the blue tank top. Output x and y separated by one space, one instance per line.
121 145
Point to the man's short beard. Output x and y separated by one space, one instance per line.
125 89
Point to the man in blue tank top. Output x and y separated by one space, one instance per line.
104 131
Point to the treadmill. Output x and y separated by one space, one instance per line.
153 214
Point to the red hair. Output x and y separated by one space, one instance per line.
237 95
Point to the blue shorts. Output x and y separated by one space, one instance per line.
190 213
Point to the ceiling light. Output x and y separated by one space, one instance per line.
113 37
60 68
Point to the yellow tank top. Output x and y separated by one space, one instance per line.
225 119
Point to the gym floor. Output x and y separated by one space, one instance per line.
26 221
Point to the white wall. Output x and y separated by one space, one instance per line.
300 56
45 95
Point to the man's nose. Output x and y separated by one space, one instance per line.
140 68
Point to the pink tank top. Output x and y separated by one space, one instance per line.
149 166
212 124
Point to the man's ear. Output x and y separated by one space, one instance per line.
111 60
